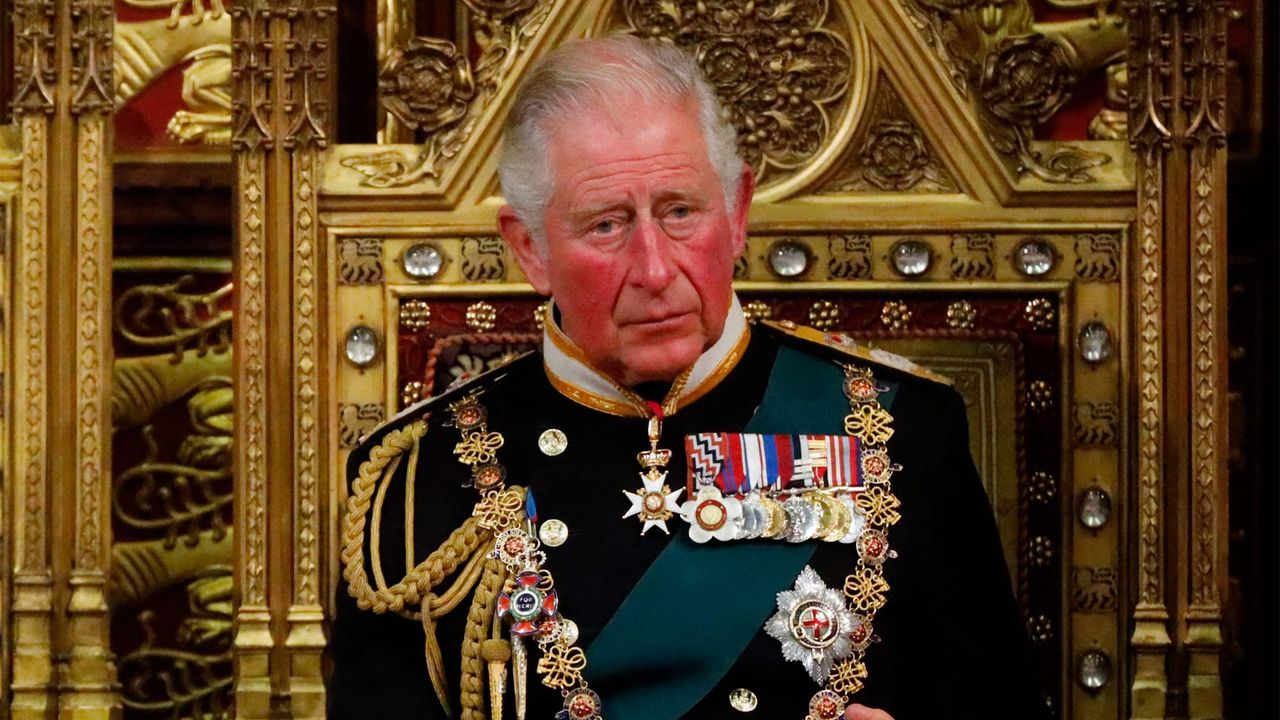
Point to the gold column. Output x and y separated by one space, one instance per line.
1177 68
252 141
1149 123
90 688
282 56
60 449
31 693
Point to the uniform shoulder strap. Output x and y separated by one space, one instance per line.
845 345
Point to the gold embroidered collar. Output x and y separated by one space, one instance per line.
569 371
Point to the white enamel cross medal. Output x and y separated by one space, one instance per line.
654 501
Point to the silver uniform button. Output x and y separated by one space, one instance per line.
552 442
553 533
743 700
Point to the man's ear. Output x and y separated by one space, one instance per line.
746 190
518 238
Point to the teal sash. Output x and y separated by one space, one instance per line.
674 636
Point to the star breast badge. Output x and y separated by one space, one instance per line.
814 625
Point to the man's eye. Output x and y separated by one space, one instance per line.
605 227
681 212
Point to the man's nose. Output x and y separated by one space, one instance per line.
652 263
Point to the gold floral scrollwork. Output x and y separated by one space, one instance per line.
850 257
483 259
357 419
170 317
360 261
1021 72
971 257
1096 424
893 154
430 85
191 492
426 84
779 70
193 679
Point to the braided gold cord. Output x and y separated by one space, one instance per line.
477 631
435 659
457 549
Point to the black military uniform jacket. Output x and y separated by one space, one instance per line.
950 643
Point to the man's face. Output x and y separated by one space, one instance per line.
640 244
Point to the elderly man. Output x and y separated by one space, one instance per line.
667 512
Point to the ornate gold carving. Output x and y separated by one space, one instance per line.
305 76
484 259
251 419
961 315
415 314
426 84
780 71
33 58
193 679
1205 73
893 153
93 254
1020 72
306 377
506 34
1098 257
1094 589
32 328
850 257
253 80
190 493
1039 313
971 257
824 314
741 268
91 29
200 41
360 261
895 315
481 316
1149 123
167 316
1096 424
356 419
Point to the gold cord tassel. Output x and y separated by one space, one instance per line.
496 653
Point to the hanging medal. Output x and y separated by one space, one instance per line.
654 502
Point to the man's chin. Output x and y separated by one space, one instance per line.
658 362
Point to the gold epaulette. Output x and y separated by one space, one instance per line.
846 345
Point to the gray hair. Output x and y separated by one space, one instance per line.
588 74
